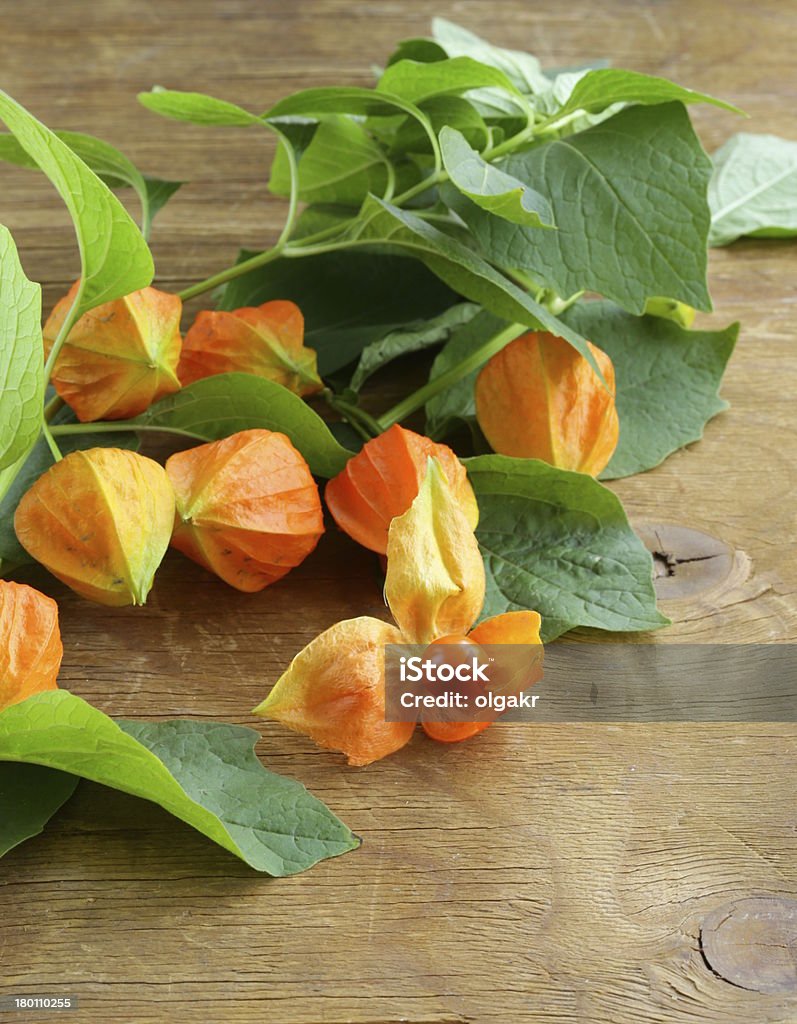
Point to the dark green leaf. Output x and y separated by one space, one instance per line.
348 299
416 81
159 192
218 406
114 256
29 796
667 380
489 187
415 337
629 203
753 189
21 356
204 773
442 111
560 543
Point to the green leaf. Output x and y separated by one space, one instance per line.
114 256
667 380
29 796
597 90
17 478
461 268
21 356
334 99
159 192
218 406
420 49
414 337
520 68
442 111
416 81
457 404
491 188
630 208
341 164
560 543
196 108
204 773
753 189
349 299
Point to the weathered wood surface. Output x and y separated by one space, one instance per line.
554 874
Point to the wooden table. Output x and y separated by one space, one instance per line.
548 874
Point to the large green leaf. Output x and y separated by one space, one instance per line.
753 189
114 256
196 108
630 208
109 164
348 299
521 69
21 356
17 478
416 81
597 90
204 773
415 337
667 380
341 164
29 796
489 187
460 267
218 406
559 542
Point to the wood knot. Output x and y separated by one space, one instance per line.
753 944
687 562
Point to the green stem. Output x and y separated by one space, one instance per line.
363 422
118 426
54 406
70 320
419 398
48 437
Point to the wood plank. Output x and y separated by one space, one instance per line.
555 874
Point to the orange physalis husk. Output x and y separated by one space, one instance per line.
509 628
247 507
334 691
100 520
382 481
266 340
30 643
538 398
119 357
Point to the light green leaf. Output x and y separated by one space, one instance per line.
218 406
461 268
349 299
521 69
597 90
415 337
341 164
29 796
491 188
753 189
560 543
109 164
416 81
21 356
667 380
17 478
204 773
196 108
457 404
114 256
630 208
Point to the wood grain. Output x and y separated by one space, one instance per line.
555 874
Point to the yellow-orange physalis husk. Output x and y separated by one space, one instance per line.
334 692
382 480
100 520
247 507
266 340
30 643
538 398
508 628
119 357
435 574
